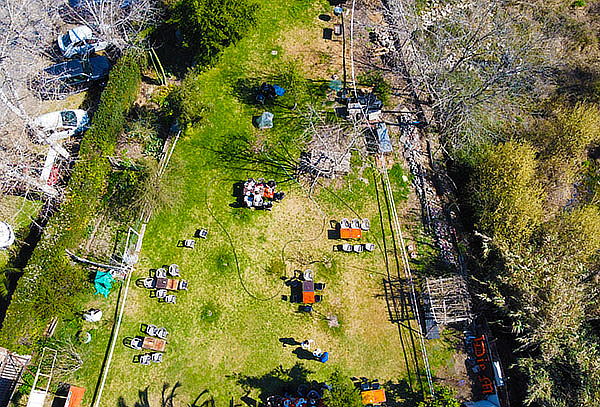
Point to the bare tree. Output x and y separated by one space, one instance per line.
118 22
469 59
28 31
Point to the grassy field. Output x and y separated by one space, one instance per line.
19 213
226 330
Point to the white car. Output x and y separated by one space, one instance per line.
62 124
80 41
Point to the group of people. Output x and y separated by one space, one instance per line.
317 353
260 194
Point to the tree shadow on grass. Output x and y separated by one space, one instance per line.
400 394
277 381
167 397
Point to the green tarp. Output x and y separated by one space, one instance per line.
103 283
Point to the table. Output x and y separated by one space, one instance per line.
373 396
172 284
308 285
155 344
308 292
167 284
161 283
350 233
308 297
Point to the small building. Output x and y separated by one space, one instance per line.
447 300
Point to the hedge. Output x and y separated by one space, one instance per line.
51 285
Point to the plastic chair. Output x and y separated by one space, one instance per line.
156 357
136 343
358 248
145 359
183 285
162 333
189 243
305 308
345 223
365 224
319 286
174 270
149 282
151 330
161 273
347 247
308 275
369 247
170 299
162 293
365 386
318 298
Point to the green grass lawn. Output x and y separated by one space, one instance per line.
18 212
225 330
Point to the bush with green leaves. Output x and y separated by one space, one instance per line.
51 285
381 87
506 193
343 392
207 26
444 397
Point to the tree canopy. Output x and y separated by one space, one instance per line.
507 196
207 27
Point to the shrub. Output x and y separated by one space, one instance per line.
381 87
343 393
506 193
50 284
208 26
124 191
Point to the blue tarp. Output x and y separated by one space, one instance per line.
265 121
279 91
103 283
385 144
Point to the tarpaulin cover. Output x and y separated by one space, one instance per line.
103 283
385 144
279 91
265 121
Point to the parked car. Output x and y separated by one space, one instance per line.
80 41
64 122
73 76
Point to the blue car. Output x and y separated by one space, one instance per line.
73 76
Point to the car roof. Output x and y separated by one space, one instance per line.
81 33
100 66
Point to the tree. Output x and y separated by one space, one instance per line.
343 392
470 61
29 29
207 26
444 397
506 194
